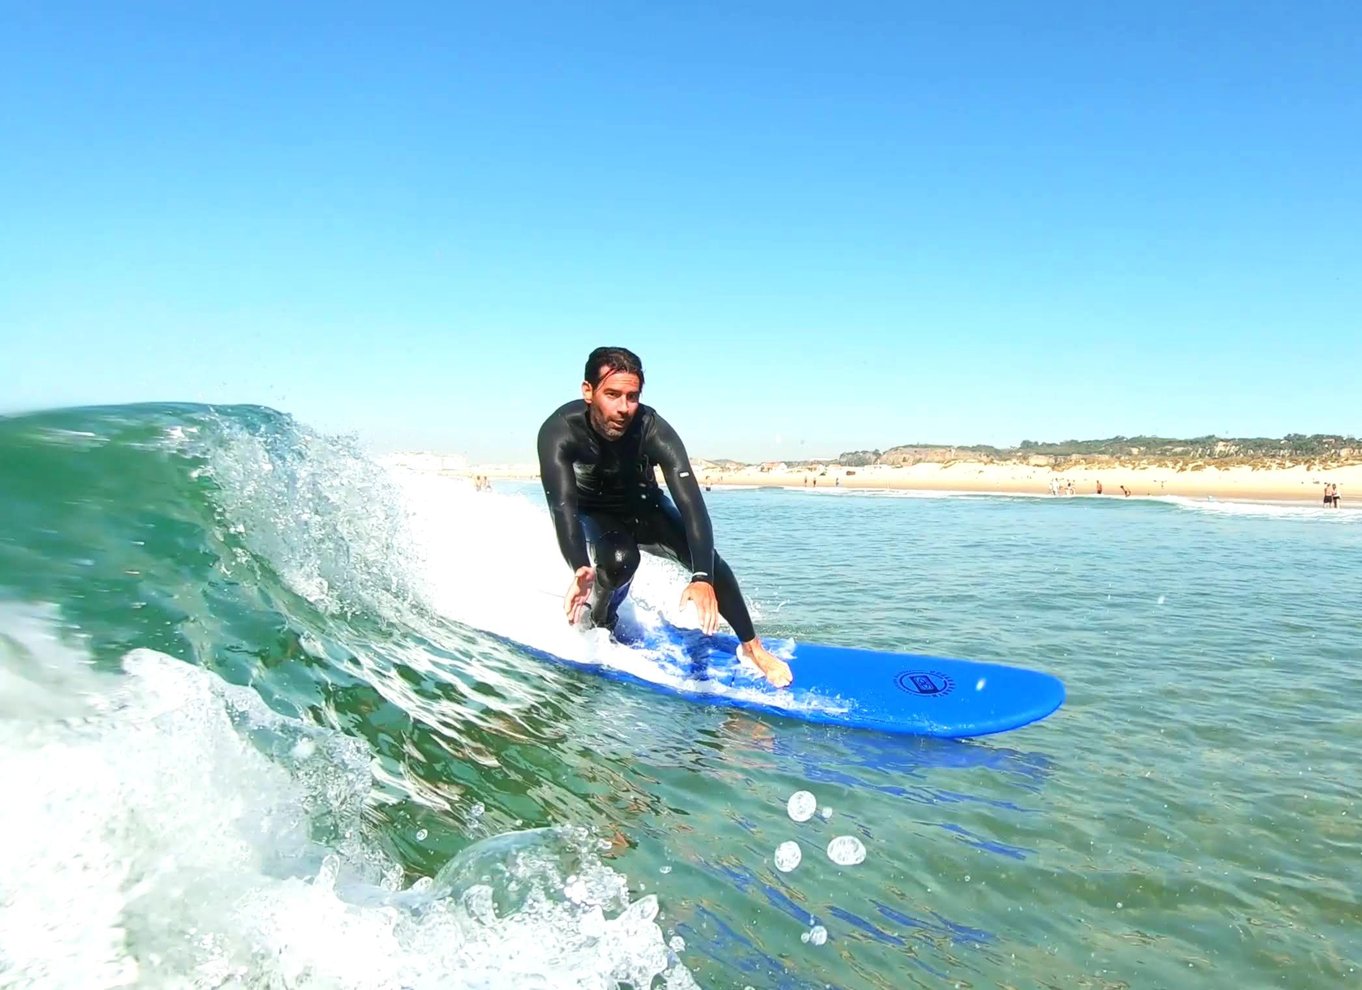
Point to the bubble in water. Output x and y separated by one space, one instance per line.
801 806
421 835
979 684
818 935
1162 599
665 869
477 810
788 855
846 850
827 814
677 944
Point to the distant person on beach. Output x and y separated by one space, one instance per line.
1099 488
597 456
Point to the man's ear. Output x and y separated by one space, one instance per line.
587 391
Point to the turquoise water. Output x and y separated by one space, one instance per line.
255 731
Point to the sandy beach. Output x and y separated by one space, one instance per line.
1293 484
1241 482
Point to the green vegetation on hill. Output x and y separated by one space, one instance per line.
1315 450
1294 448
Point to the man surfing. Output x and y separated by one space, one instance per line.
597 458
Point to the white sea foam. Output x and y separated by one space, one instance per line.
164 829
1317 512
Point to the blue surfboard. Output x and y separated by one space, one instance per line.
902 693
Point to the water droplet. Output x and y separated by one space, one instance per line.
480 903
326 876
846 850
642 910
421 835
826 813
979 684
593 923
818 935
801 806
788 855
665 869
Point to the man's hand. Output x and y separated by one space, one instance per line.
578 594
701 595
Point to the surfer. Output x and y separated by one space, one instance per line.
597 457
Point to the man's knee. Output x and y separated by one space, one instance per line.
617 558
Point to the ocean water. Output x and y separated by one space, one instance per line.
260 727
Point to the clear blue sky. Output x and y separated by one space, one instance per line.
824 226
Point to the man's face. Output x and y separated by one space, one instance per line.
613 404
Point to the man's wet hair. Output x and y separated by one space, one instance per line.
609 360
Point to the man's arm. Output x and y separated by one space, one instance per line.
560 489
666 448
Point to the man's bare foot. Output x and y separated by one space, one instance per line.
774 669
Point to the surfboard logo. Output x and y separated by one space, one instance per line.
927 683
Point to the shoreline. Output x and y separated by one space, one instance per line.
1295 485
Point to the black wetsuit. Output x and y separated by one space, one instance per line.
607 505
